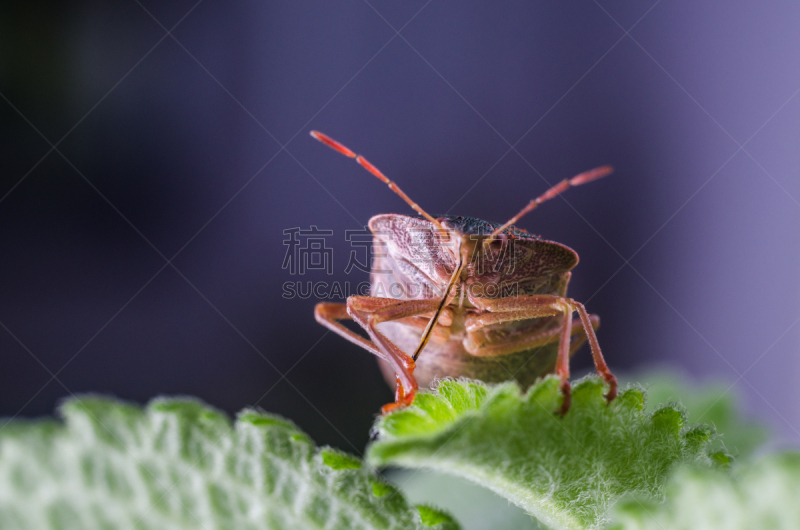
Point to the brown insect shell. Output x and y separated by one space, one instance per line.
413 260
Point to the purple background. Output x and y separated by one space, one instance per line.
193 147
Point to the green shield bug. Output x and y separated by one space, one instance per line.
458 296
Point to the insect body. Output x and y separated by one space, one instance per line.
458 296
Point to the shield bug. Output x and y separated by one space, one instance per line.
458 296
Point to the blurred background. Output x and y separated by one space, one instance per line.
155 161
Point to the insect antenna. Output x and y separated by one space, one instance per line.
561 187
426 335
336 146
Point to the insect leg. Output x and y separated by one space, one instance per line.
480 346
597 355
514 308
364 312
580 334
328 314
368 311
562 362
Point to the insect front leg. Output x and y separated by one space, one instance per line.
367 312
328 314
514 308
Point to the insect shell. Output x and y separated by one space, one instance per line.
412 262
461 297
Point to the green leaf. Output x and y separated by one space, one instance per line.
567 471
760 494
716 403
180 464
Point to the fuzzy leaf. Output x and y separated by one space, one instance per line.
567 471
760 495
714 403
180 464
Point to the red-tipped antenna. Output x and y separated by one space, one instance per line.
336 146
561 187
